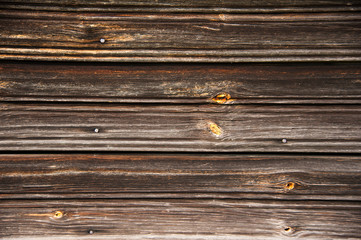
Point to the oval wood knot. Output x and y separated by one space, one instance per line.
215 129
290 185
222 98
288 230
58 214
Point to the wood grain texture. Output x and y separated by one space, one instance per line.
233 6
136 37
181 83
180 219
184 175
96 147
215 128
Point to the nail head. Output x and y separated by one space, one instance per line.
102 40
96 130
284 140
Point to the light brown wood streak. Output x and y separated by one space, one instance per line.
181 219
181 83
180 38
184 175
329 128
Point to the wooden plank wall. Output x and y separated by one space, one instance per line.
172 119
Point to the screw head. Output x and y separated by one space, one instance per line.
102 40
90 231
96 130
284 140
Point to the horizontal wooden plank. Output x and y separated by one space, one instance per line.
245 176
233 6
214 128
181 83
179 219
136 37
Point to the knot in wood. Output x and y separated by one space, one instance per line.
288 230
222 98
290 185
214 128
58 214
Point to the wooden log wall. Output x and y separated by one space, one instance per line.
171 119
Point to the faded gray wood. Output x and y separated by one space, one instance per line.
180 37
213 128
184 175
234 6
180 219
181 83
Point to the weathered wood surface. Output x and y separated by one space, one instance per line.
184 175
136 37
179 219
85 145
234 6
181 83
214 128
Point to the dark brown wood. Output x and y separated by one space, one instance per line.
184 175
181 83
180 37
215 128
180 219
128 122
234 6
